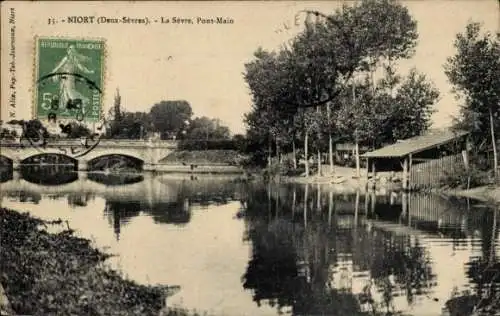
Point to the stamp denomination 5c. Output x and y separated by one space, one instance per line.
69 74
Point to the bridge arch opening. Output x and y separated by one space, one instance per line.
49 169
6 169
50 159
5 162
115 163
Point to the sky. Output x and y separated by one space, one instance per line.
207 61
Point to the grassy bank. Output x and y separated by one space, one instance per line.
60 274
203 157
348 181
487 193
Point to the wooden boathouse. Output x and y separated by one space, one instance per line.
422 161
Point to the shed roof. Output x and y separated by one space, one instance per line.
416 144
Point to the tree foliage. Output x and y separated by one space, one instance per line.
396 108
77 130
132 125
171 118
7 134
291 87
207 128
352 39
474 71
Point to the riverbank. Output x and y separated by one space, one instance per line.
346 179
205 168
484 193
203 157
45 273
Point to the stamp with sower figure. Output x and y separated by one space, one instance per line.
69 75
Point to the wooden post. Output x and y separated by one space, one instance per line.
276 205
405 174
356 209
367 169
373 201
318 198
330 207
306 155
306 198
367 201
269 208
356 149
409 172
406 207
294 155
465 156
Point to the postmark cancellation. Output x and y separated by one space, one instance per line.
69 78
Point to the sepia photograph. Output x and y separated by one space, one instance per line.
250 158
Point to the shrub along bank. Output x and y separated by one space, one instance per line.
206 157
60 274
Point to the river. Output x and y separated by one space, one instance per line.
241 248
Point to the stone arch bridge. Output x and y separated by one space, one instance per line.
148 152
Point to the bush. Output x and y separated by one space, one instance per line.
272 171
196 144
230 157
460 178
61 274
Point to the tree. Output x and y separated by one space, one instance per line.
268 79
77 130
474 71
314 69
311 120
396 108
34 132
240 142
413 106
115 116
117 106
171 118
352 39
206 128
7 134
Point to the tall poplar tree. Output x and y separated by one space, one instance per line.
474 71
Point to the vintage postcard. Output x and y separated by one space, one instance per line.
250 158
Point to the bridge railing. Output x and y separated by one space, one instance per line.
102 142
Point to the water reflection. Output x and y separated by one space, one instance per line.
23 197
115 179
115 163
120 213
49 175
79 199
261 249
375 247
308 259
6 173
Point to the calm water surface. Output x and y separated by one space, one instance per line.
238 248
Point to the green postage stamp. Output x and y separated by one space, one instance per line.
69 76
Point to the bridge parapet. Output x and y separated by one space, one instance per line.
150 152
103 142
